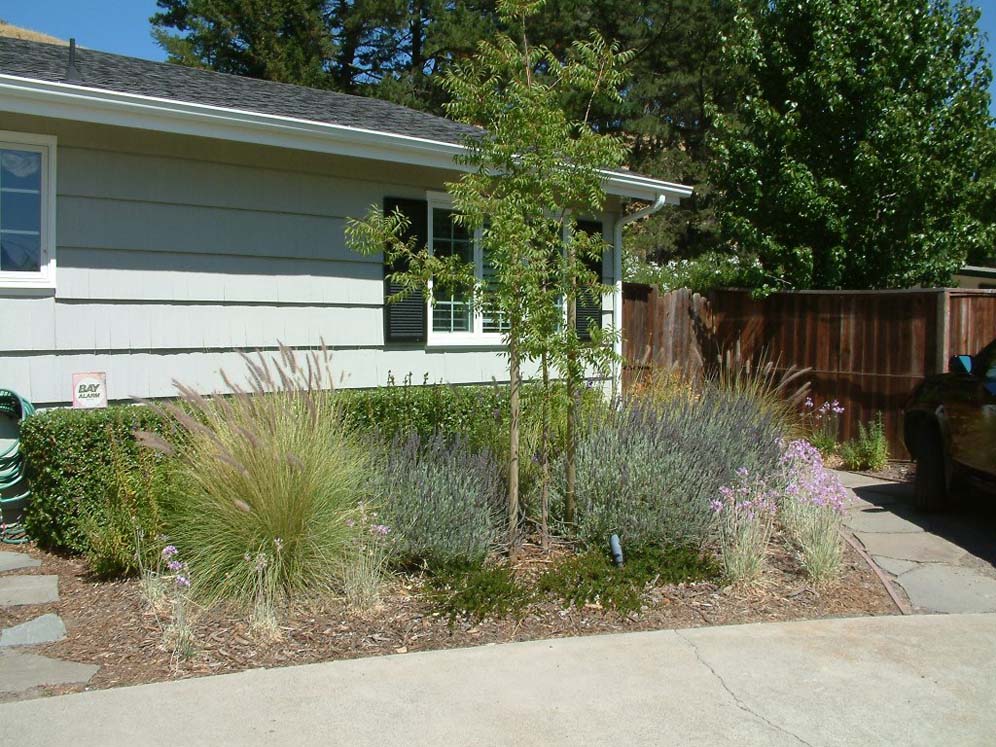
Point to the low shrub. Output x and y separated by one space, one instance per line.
811 511
468 412
649 473
442 499
745 513
122 532
476 591
870 450
73 468
592 577
271 487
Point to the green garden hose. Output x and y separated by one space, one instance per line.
14 490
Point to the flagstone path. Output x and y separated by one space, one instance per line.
20 670
945 562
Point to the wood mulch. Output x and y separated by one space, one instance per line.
111 624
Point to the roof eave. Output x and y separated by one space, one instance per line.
99 106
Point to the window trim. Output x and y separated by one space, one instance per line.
44 279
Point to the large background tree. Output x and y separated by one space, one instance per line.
858 151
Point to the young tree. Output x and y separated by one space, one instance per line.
855 155
531 170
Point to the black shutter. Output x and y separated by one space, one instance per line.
589 303
405 320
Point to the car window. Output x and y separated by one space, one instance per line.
985 362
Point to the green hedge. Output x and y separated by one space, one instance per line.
68 463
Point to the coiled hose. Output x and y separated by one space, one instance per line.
14 490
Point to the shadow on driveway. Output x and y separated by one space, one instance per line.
969 522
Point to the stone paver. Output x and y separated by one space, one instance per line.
921 547
936 587
880 520
852 480
12 561
893 566
15 590
44 629
23 671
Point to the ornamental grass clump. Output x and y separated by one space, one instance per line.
811 511
745 515
270 486
443 500
648 473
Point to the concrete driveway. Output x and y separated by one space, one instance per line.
889 680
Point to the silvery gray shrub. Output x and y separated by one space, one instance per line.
650 472
441 499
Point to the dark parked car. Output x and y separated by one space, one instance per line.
950 428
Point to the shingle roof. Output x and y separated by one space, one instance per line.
49 62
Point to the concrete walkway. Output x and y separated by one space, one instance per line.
887 680
944 562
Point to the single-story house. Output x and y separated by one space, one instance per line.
155 220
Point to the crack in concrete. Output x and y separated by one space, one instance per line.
736 698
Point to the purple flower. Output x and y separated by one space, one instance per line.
182 581
716 506
169 551
175 565
380 529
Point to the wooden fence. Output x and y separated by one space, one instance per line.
867 349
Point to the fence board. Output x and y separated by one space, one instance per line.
868 349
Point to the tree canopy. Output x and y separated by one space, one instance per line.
858 152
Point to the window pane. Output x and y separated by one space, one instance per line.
20 211
492 320
20 253
20 169
451 311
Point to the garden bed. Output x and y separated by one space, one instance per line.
111 624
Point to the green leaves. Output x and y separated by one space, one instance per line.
860 154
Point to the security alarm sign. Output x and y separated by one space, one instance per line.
90 390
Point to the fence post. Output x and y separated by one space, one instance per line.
942 342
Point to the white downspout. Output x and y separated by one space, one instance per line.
617 295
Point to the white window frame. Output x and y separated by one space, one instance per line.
44 278
476 337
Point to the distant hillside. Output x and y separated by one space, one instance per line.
16 32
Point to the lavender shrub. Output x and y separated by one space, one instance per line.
649 473
442 499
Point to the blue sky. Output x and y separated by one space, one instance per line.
122 26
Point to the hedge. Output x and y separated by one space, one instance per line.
68 452
67 458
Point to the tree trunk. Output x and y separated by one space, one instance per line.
572 376
514 407
545 457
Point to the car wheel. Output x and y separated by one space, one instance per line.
931 487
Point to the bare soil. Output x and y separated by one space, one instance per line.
111 624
